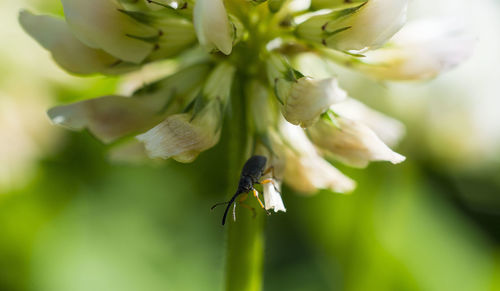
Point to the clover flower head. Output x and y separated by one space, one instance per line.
233 49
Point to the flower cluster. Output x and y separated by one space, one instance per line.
296 120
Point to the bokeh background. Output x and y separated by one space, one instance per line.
71 219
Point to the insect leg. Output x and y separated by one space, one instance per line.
256 195
243 198
270 169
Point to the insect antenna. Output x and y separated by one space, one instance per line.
218 204
229 203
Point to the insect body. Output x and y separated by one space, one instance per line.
250 175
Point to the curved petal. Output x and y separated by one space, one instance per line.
212 25
108 117
272 196
309 98
309 174
359 28
181 137
421 50
388 129
69 53
305 170
352 143
373 25
99 24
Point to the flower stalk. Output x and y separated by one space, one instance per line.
245 237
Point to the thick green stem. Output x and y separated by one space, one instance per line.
245 239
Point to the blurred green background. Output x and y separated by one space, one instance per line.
70 219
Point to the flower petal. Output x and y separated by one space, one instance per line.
272 196
373 25
69 53
352 143
305 170
100 24
359 28
212 25
108 117
181 137
388 129
307 174
309 98
421 50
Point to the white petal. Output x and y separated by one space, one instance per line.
181 137
297 5
99 24
368 27
373 25
352 143
212 25
70 53
309 174
305 170
388 129
309 98
420 50
272 197
108 117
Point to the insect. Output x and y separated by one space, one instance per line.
252 172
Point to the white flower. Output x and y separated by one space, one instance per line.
305 170
183 136
99 24
108 117
70 53
272 196
308 98
361 29
212 25
420 50
388 129
112 117
351 142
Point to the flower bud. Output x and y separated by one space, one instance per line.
309 98
365 26
302 99
351 142
212 25
421 50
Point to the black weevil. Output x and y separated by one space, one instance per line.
252 172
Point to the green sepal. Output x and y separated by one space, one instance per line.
331 117
275 5
148 39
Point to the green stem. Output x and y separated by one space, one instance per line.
245 239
